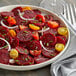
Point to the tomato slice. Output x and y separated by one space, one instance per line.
53 24
41 18
35 52
21 27
35 35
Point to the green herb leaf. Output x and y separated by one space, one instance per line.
5 17
25 51
50 41
47 44
25 31
52 54
16 60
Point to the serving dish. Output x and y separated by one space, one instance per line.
31 67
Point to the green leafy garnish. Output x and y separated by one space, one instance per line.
52 54
25 31
16 60
25 51
5 17
50 41
5 46
30 63
47 44
26 59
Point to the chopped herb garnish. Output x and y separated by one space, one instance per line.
30 63
36 47
25 51
47 44
52 54
5 17
31 45
5 46
32 24
4 34
26 59
50 41
16 60
25 31
7 39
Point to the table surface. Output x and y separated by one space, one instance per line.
45 71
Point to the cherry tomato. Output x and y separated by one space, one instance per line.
53 24
59 47
35 35
41 18
62 30
22 27
35 52
11 20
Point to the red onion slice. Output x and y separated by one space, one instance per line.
7 26
7 44
20 14
44 47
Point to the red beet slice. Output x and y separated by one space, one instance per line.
48 39
15 42
24 35
4 56
22 50
60 39
53 31
2 43
24 60
48 17
33 45
40 59
49 54
8 38
37 23
15 10
29 14
37 11
6 14
3 30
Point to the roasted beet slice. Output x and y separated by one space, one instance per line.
3 30
60 39
53 31
6 14
24 60
29 14
15 10
48 17
22 50
49 54
15 42
8 38
24 35
2 43
40 59
33 45
48 39
37 11
37 23
4 56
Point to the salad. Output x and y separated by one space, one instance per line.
28 37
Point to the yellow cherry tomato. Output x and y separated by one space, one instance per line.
13 53
12 33
34 27
59 47
26 8
62 31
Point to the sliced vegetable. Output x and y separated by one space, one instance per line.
35 35
26 8
22 27
12 33
62 31
11 20
59 47
35 52
34 27
53 24
40 17
13 53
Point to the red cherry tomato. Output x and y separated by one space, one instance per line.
22 27
35 35
35 52
41 18
53 24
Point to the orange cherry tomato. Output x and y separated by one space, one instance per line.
35 35
35 52
53 24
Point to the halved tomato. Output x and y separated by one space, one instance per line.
35 52
41 18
